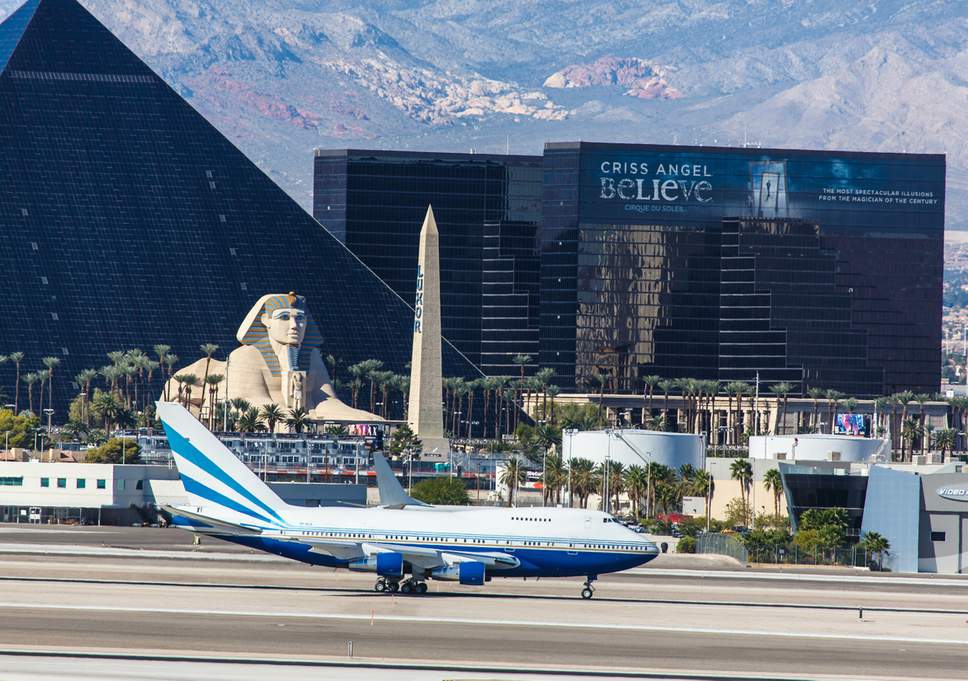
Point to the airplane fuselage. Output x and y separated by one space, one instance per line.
546 542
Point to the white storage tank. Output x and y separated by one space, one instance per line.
634 447
815 447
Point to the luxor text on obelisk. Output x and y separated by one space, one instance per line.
426 375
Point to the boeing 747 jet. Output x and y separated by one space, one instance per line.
403 541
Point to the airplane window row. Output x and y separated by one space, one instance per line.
537 520
358 535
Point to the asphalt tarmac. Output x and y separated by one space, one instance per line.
211 603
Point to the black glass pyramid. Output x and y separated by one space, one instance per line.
126 219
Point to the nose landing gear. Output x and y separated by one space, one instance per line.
589 590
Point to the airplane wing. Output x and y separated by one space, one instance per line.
423 557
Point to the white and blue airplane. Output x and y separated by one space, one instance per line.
404 541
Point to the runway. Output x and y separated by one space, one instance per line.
662 624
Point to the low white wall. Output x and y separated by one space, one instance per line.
670 449
814 447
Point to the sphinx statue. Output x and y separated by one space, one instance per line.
279 362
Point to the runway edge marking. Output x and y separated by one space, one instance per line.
477 621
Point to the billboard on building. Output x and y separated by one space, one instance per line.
666 184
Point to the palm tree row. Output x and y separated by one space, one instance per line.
44 377
651 489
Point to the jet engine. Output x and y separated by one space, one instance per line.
385 564
465 572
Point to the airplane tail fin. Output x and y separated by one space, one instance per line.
391 491
213 476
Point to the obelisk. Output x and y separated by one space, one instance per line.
426 375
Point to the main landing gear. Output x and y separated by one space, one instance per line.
589 590
407 586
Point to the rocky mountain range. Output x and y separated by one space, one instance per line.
281 77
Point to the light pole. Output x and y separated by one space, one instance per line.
50 440
6 433
608 458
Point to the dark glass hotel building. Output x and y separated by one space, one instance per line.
487 208
817 268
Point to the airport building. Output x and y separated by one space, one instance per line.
89 493
127 220
487 208
111 494
922 510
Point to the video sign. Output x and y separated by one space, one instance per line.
663 185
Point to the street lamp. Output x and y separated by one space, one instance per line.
49 412
6 433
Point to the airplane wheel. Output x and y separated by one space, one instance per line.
381 585
393 587
586 593
421 588
406 588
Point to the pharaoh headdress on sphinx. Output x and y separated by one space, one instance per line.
253 331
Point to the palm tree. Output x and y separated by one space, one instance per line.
703 485
910 429
250 421
370 368
944 440
213 381
833 400
659 477
16 358
513 475
616 481
383 381
599 381
583 479
161 351
816 394
332 363
297 419
488 384
742 471
84 378
877 544
781 390
169 362
272 414
43 375
208 349
555 473
472 387
51 364
636 486
648 388
665 386
30 378
774 483
105 407
921 399
552 391
188 382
